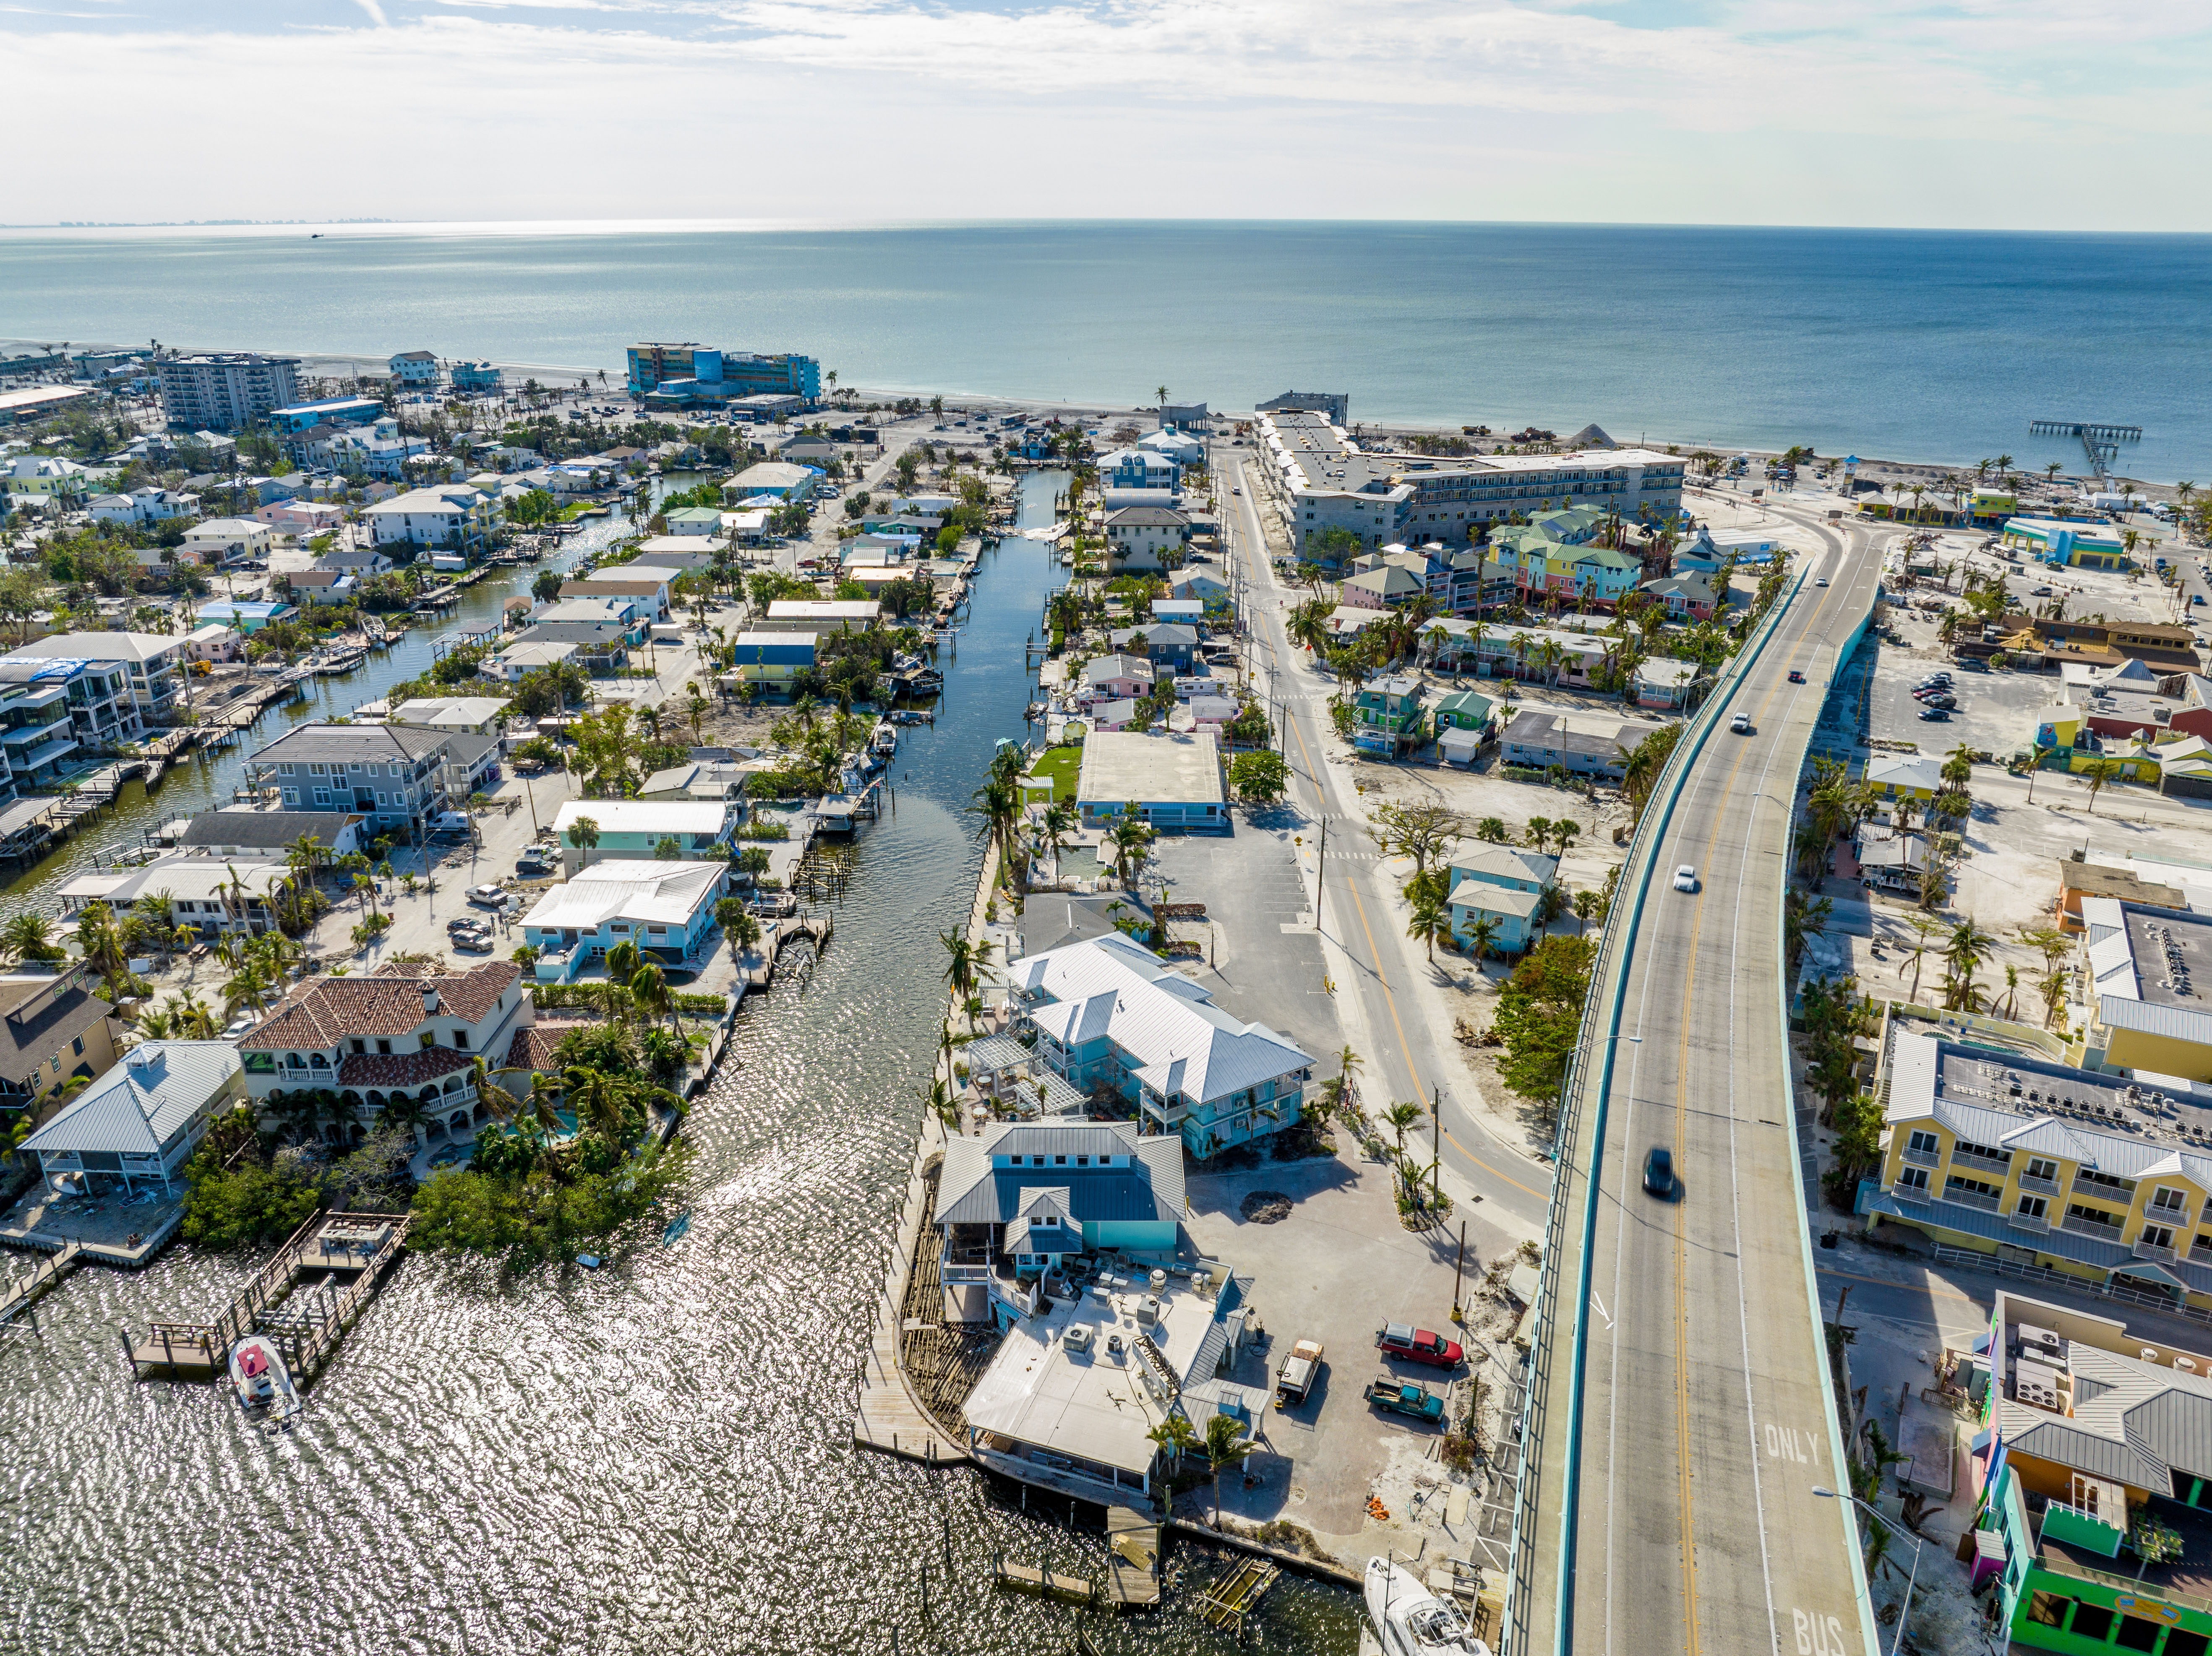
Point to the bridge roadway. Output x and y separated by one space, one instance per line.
1671 1470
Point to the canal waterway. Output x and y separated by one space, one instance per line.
653 1457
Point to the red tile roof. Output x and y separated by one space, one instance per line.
323 1012
403 1069
532 1047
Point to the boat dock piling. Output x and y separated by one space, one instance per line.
49 1269
1228 1604
1043 1584
306 1328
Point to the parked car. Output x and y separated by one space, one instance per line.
1659 1171
1942 698
1404 1398
1685 878
238 1025
488 896
1934 716
1934 682
533 863
1417 1345
1295 1378
473 943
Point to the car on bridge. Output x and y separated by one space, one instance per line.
1740 723
1685 878
1659 1171
1819 580
1796 677
1417 1345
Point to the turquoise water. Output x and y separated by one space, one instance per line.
1899 344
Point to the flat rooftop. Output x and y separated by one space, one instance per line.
1158 767
1330 462
1987 1096
2174 957
1097 1404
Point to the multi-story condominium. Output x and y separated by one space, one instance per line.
414 369
380 449
95 693
392 774
681 373
330 411
34 482
398 1044
154 662
1323 482
442 515
2095 1176
475 376
2139 962
1108 1013
225 390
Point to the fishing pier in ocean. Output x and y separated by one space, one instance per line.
2100 440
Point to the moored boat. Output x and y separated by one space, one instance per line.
263 1386
1410 1620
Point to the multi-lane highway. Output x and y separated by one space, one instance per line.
1674 1451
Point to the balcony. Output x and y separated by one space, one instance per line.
1920 1158
2035 1186
2165 1256
2074 1227
1974 1199
1904 1192
31 733
1965 1158
2039 1222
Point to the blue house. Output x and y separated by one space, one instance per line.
1108 1012
665 907
1506 886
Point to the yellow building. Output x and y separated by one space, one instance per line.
2094 1176
51 1030
2142 968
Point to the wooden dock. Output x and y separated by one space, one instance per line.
887 1416
1134 1582
49 1269
1044 1584
306 1322
1228 1604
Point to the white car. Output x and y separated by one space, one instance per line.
1819 580
1685 878
1740 723
488 896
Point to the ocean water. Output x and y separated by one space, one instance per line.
1923 345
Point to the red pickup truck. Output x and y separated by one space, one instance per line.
1419 1345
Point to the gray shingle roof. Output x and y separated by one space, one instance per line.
971 1190
376 743
266 830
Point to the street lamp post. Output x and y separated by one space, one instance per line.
1904 1606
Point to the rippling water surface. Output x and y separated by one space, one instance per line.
654 1457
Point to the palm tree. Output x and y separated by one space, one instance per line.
649 993
502 1103
1482 936
1431 920
597 1100
1398 1117
2094 775
968 957
1176 1435
584 833
192 1019
1962 956
1491 830
28 937
1226 1445
1924 929
1059 821
1586 907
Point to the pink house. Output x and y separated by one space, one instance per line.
300 517
1116 678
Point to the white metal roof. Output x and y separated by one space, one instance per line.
137 1106
662 894
644 816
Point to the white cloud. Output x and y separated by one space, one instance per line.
1755 110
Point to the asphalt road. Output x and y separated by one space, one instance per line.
1398 1059
1691 1524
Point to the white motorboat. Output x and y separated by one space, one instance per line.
263 1386
1411 1620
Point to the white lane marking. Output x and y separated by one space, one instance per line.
1736 1180
1788 1443
1817 1634
1600 1304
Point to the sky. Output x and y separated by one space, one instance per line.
2094 114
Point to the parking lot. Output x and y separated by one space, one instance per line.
1334 1270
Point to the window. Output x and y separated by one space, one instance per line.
383 1046
1956 1185
358 1044
2139 1633
1060 1161
460 1040
2104 1181
77 1046
1912 1179
2156 1236
2033 1207
2093 1217
1082 1161
2042 1167
2167 1202
2179 1641
1925 1142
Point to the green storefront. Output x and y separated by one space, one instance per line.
2054 1598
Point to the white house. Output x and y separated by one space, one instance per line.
155 660
226 540
665 908
472 715
414 369
139 1124
144 506
634 829
442 515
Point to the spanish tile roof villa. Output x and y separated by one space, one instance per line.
402 1040
1108 1012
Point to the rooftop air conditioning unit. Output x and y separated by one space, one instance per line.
1077 1338
1148 1310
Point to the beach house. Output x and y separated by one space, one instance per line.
1505 886
140 1120
633 830
665 908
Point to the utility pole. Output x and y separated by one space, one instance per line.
1321 873
1459 1271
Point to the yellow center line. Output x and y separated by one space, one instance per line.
1692 1642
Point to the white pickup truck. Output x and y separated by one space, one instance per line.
1295 1378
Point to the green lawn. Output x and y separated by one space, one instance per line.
1059 765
